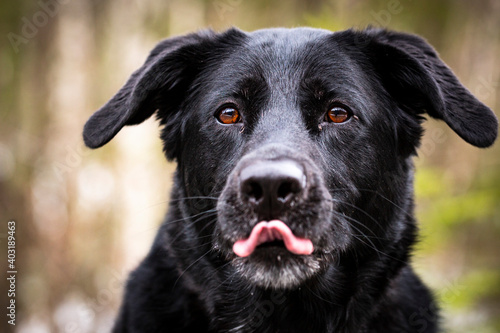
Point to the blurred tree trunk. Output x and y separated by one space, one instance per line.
24 87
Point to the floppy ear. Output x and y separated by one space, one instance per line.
163 79
413 74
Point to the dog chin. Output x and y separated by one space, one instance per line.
277 268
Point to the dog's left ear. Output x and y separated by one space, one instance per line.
414 75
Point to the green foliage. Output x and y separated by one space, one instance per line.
441 209
461 225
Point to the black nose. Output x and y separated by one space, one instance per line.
269 185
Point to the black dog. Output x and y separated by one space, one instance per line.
292 208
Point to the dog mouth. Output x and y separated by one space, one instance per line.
272 256
271 239
273 233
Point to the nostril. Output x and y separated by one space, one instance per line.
253 190
287 189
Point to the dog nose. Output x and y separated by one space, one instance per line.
269 185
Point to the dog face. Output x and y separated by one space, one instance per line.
298 141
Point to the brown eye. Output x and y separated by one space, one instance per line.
337 115
228 116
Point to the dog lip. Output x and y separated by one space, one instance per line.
264 232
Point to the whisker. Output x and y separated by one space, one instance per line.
374 248
371 245
372 237
172 240
209 223
319 297
194 198
352 219
402 209
194 247
230 276
367 237
191 265
209 211
358 209
166 202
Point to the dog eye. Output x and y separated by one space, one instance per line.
228 116
337 115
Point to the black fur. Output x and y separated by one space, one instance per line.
357 206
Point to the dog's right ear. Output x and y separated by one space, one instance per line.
135 101
165 75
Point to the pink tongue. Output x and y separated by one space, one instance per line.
269 231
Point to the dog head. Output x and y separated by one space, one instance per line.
300 140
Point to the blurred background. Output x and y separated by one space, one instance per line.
86 218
